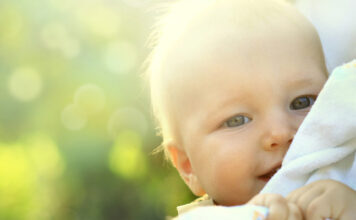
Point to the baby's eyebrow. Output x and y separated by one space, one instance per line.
300 83
225 105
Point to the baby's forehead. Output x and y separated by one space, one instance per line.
189 16
213 44
207 59
211 24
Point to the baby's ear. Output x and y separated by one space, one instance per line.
182 163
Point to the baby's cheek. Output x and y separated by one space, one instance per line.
232 172
231 189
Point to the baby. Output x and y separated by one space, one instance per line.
231 82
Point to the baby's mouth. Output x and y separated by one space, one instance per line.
266 177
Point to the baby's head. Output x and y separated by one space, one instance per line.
231 82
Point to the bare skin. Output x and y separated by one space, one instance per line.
319 200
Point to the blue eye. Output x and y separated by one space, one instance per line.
236 121
302 102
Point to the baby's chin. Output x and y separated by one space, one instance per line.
239 196
231 201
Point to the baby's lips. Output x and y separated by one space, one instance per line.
268 174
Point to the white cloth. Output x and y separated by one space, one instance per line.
325 144
335 21
203 201
245 212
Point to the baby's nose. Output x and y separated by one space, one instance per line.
278 136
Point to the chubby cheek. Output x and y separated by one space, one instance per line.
233 180
299 120
228 174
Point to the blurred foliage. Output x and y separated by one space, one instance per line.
76 134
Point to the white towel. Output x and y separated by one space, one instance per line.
245 212
325 144
335 22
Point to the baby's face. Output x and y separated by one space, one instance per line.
240 104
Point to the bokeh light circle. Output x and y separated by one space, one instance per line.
127 118
25 84
12 24
121 57
73 118
56 36
99 20
126 157
89 99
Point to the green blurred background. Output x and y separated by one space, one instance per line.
76 132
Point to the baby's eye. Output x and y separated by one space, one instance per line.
236 121
302 102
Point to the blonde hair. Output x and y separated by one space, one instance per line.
182 16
